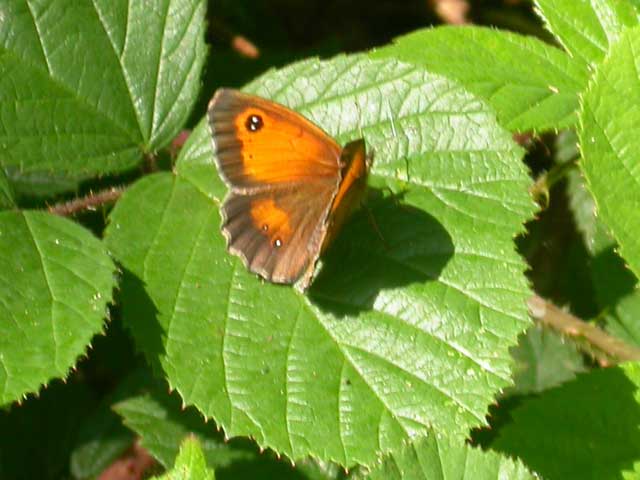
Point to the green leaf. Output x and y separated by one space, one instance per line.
544 360
580 200
432 458
586 429
6 192
190 464
102 438
616 292
87 87
395 336
587 29
56 282
162 425
531 85
38 435
41 184
610 146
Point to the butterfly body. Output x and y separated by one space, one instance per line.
291 186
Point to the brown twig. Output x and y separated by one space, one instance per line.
221 33
89 202
136 463
605 348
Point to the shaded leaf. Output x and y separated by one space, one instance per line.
87 87
106 442
162 425
41 184
580 200
586 429
102 438
587 29
610 146
56 282
432 458
616 293
531 85
544 360
394 337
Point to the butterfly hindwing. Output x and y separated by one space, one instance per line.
274 236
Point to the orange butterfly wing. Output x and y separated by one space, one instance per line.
355 165
284 173
261 144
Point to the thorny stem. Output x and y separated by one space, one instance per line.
91 201
607 349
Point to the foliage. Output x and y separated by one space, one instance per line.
414 337
190 464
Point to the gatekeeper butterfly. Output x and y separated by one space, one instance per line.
291 186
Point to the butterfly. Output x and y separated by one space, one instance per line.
291 186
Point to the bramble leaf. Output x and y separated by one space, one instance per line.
88 87
57 279
395 336
531 85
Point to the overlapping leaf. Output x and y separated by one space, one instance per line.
102 438
610 145
394 336
586 429
615 287
587 28
532 85
544 360
87 87
56 282
163 425
432 458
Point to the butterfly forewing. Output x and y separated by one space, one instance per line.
260 144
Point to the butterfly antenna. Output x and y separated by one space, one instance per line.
374 225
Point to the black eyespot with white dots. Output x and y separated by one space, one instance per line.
277 243
254 123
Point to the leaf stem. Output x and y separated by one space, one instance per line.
88 202
606 348
545 182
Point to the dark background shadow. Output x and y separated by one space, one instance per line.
405 245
